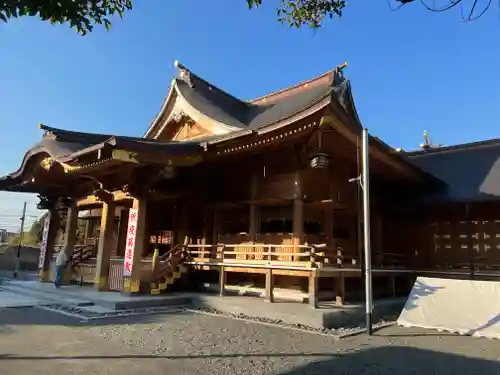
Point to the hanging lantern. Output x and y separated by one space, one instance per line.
319 159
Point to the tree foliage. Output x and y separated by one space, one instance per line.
313 13
79 14
36 230
298 13
83 15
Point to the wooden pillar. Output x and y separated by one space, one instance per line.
182 223
70 239
105 246
313 289
51 226
253 222
378 245
215 225
298 210
70 232
122 233
215 233
86 234
134 246
329 222
340 293
222 280
269 286
393 285
207 226
254 208
470 242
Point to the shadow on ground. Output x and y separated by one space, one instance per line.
381 360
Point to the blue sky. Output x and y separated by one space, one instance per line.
411 70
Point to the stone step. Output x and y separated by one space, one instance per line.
43 292
144 301
76 296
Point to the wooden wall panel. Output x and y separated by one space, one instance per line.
279 186
447 242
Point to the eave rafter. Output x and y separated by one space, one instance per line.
266 139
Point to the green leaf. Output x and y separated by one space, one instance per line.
82 15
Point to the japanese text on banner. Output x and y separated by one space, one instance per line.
43 246
130 242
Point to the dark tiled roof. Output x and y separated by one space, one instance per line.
471 172
227 109
65 146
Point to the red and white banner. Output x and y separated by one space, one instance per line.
130 243
45 236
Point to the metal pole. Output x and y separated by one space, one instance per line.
366 226
21 237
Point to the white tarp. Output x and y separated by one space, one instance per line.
468 307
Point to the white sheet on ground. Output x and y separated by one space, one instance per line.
465 306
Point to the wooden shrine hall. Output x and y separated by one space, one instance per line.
260 194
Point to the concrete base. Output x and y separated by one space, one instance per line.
326 316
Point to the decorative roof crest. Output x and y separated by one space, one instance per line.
184 73
46 133
338 74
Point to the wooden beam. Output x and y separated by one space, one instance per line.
342 124
118 195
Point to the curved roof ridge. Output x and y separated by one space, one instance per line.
204 81
73 136
291 89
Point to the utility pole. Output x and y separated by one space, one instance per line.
21 237
364 183
366 219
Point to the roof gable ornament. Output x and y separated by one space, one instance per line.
428 144
337 77
47 133
184 73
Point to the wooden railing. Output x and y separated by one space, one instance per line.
254 255
164 266
80 255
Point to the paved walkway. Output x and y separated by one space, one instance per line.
289 312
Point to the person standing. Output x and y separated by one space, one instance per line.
61 261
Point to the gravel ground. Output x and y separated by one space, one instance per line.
197 344
346 330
